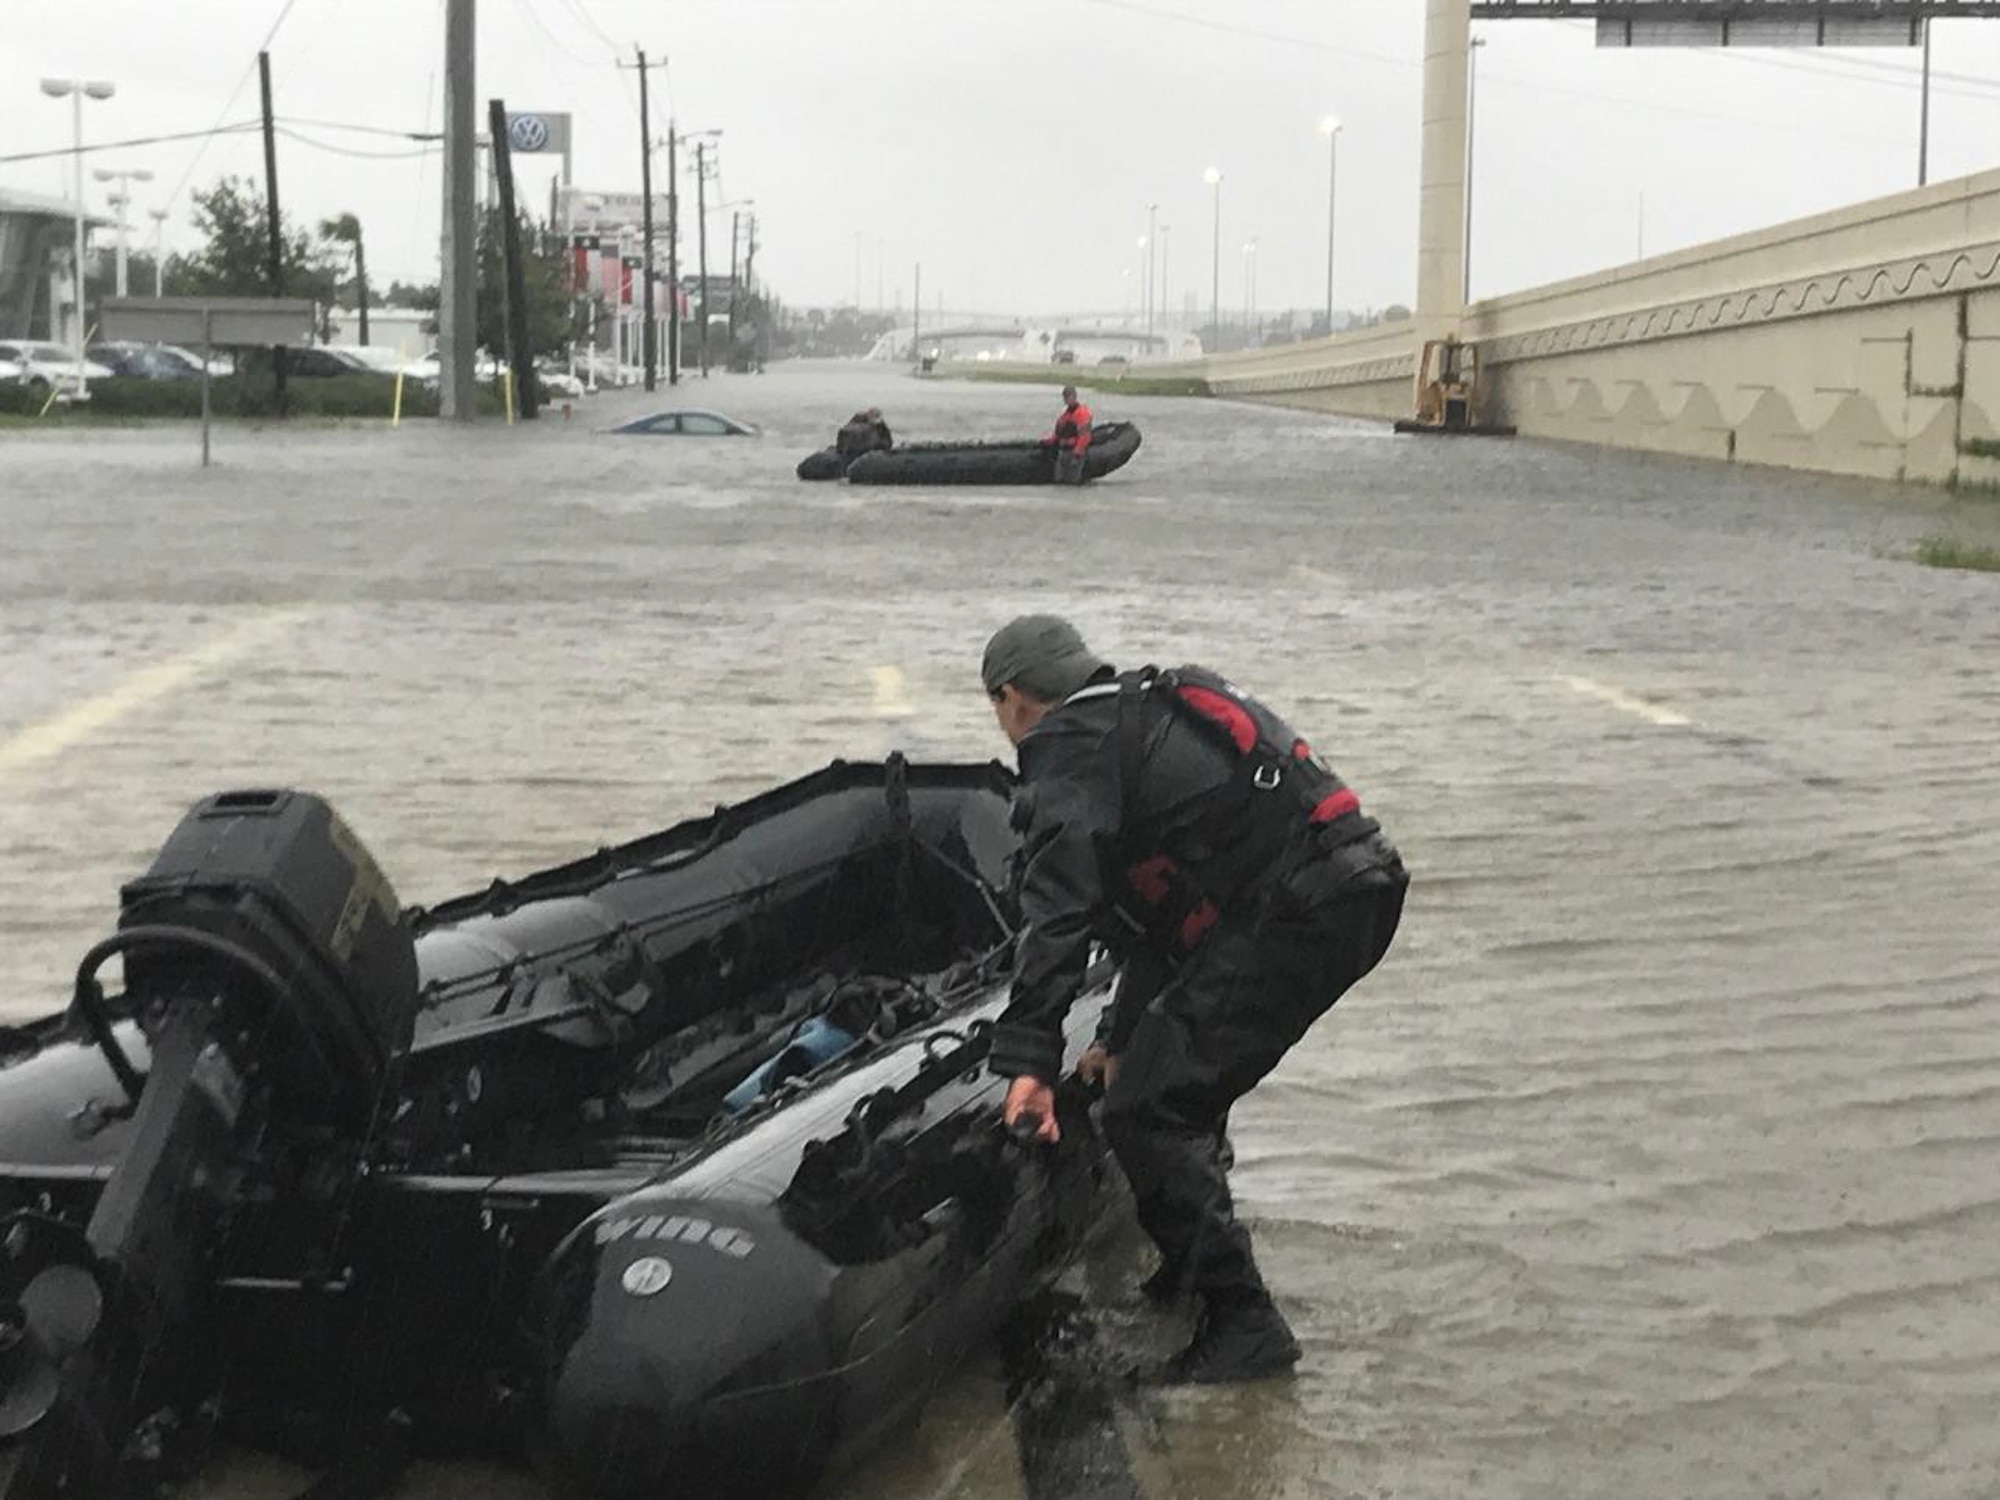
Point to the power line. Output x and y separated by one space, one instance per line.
269 36
582 14
405 135
142 140
306 140
527 7
1256 32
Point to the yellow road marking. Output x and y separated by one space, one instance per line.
48 739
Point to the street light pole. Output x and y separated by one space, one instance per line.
1471 134
1213 177
1330 128
76 89
159 217
1249 292
1152 281
1166 308
121 200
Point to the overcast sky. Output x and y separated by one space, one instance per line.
1012 146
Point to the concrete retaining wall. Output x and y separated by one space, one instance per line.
1863 341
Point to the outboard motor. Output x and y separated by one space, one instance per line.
271 977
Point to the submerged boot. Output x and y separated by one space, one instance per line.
1237 1339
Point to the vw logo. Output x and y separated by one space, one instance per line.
528 132
647 1275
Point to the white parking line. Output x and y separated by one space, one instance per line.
48 739
1620 699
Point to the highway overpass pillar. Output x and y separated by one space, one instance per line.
1441 203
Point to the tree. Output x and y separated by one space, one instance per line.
423 296
554 318
235 255
346 230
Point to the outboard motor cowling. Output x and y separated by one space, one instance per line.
278 876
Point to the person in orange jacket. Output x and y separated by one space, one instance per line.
1071 438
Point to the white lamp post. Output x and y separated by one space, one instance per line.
1330 128
1249 292
121 200
76 89
159 217
1213 177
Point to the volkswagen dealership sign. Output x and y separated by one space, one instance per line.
536 131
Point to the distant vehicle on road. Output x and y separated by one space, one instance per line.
44 364
145 361
686 424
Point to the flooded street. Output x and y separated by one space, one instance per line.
1658 1157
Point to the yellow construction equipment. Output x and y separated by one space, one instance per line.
1448 395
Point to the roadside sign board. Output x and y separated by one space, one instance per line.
205 322
227 321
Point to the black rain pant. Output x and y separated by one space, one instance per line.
1223 1021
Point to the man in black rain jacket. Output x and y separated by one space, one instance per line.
1178 821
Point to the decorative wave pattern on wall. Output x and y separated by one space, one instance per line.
1933 274
1401 367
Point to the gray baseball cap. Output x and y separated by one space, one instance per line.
1043 654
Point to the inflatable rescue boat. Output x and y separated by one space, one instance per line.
675 1169
1013 463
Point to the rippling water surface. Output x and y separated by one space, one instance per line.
1662 1157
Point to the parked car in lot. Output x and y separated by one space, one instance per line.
44 364
12 371
686 424
558 382
145 361
381 359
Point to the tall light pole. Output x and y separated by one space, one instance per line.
1146 283
1152 280
1330 128
1249 291
121 200
77 89
1213 177
1471 128
159 218
1160 295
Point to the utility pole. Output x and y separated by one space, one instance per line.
701 150
917 318
735 229
277 267
520 357
458 269
673 258
650 339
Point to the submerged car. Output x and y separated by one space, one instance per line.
686 424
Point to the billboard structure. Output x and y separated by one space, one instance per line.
1745 23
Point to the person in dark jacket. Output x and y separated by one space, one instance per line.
864 432
1177 820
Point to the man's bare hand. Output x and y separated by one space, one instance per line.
1030 1111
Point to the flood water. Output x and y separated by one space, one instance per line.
1659 1158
